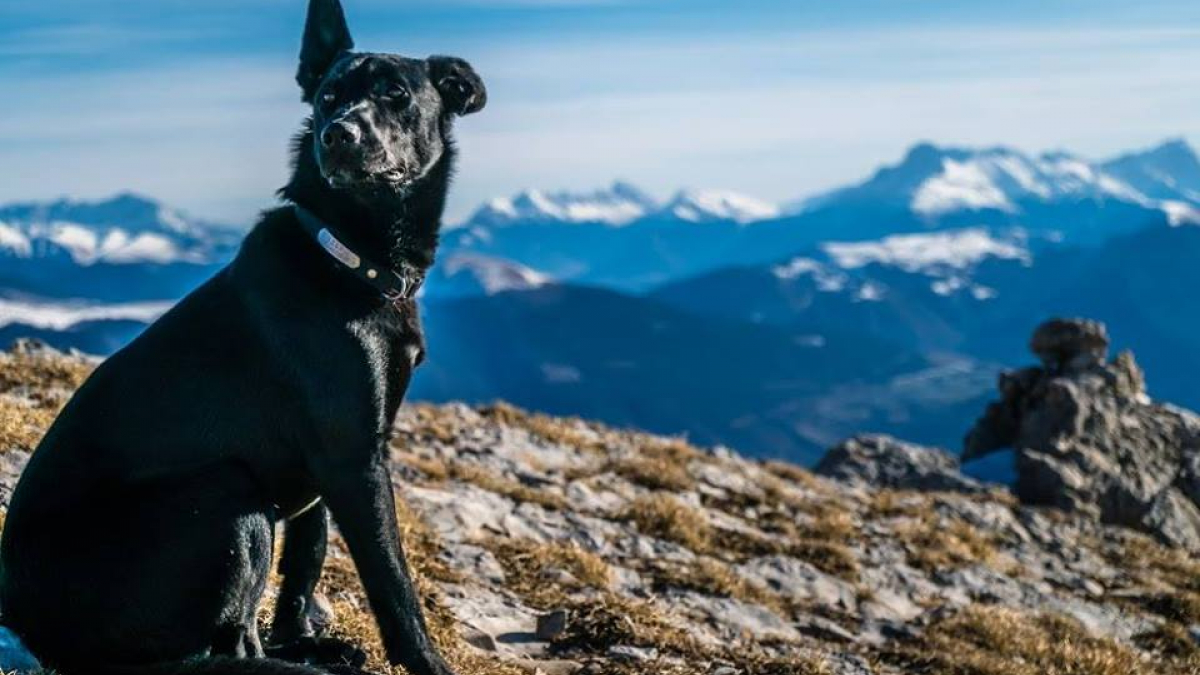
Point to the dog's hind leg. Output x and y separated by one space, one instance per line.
155 573
293 636
300 565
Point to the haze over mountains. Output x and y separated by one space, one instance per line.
888 305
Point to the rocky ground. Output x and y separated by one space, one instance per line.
561 546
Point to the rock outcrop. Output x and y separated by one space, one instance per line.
882 461
557 546
1089 440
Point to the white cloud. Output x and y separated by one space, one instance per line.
61 316
778 115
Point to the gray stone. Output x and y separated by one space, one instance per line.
824 629
552 624
1070 343
1088 439
882 461
631 654
799 581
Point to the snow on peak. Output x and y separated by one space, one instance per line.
826 278
935 181
960 186
124 229
924 252
617 205
1000 178
717 205
1168 172
1178 213
88 246
495 275
15 241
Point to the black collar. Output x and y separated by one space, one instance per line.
395 286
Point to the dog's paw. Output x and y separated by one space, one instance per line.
319 652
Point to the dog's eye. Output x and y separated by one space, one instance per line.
397 93
327 100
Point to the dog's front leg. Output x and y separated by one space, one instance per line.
300 566
364 508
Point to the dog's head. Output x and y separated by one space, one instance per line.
379 120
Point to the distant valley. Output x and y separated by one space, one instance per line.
889 305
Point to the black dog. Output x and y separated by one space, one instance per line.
141 533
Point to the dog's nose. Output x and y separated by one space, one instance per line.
340 134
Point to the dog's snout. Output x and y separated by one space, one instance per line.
340 134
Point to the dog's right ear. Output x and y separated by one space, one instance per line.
326 37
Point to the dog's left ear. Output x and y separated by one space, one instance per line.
460 86
326 37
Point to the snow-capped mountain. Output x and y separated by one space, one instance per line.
617 205
1168 175
928 253
469 274
945 261
706 206
123 249
1170 171
124 230
934 182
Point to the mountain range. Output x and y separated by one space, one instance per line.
886 305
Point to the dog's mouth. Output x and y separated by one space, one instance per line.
350 170
350 177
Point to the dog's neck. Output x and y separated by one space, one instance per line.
399 227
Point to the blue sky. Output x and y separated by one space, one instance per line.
193 102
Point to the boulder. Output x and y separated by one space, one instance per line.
883 461
1089 440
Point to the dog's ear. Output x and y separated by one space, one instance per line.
326 37
460 86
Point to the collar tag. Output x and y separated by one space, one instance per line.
338 250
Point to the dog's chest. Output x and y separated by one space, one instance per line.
392 347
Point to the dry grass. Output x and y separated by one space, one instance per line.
995 641
665 517
1153 563
674 450
829 556
712 577
889 503
32 391
20 371
22 425
559 430
354 622
656 473
602 623
795 474
431 424
657 464
607 621
482 478
534 570
1172 643
1182 607
433 468
601 619
934 543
